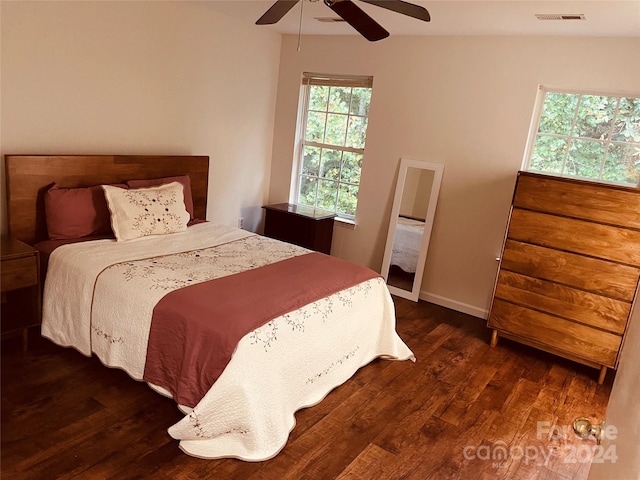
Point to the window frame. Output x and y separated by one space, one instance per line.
535 124
332 80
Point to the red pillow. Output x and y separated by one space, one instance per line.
77 212
185 180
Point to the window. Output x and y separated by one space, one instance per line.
332 139
586 135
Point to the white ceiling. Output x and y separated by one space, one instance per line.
457 17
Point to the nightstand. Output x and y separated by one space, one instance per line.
20 288
304 226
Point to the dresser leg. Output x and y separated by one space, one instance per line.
603 372
494 338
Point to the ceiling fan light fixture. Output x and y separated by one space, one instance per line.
329 19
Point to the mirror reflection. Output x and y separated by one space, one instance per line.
409 231
410 226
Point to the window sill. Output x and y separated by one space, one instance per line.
345 223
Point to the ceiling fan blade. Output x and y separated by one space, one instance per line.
405 8
358 19
276 12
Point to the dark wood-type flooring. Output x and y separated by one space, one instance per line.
68 416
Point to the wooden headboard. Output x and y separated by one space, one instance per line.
29 176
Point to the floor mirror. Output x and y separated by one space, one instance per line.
414 207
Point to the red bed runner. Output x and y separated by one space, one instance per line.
195 330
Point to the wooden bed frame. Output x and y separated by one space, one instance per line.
29 176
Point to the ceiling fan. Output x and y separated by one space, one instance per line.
352 14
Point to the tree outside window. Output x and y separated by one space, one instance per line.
590 136
333 137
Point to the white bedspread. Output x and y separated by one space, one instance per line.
99 297
406 244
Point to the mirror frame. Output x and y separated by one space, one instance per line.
405 164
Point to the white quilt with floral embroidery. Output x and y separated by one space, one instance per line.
99 298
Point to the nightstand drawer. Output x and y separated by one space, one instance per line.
19 273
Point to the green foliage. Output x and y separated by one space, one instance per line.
548 154
351 167
337 125
360 101
584 159
557 113
327 195
336 129
627 126
594 117
318 97
357 132
617 166
347 199
589 136
311 161
331 163
339 99
316 122
308 190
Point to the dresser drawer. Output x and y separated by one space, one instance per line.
19 273
579 340
574 198
577 236
601 276
562 301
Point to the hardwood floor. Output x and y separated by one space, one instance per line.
449 415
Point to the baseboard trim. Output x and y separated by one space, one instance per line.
454 305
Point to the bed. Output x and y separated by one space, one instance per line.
406 243
239 329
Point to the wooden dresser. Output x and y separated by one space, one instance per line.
569 268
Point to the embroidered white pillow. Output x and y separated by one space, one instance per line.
146 211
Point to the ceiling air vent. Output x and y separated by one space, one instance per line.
329 19
560 16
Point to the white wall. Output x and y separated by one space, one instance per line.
462 101
416 192
176 77
143 78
